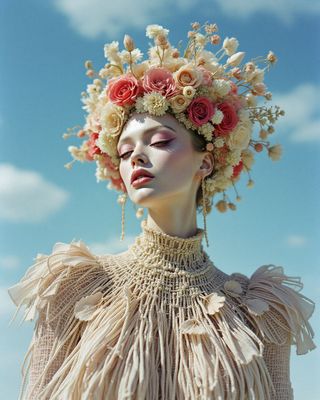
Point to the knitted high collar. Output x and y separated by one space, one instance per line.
169 252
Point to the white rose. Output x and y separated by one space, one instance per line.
241 135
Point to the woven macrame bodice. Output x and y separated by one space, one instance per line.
172 252
175 268
159 321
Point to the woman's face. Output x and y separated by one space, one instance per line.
162 146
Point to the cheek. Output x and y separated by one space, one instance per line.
175 167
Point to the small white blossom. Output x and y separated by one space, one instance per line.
219 142
217 118
152 31
230 45
111 52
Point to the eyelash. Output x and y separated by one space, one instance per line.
163 141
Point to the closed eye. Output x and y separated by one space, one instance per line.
160 144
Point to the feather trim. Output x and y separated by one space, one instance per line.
49 291
277 308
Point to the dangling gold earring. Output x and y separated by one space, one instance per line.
122 200
204 210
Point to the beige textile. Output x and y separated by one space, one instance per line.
158 321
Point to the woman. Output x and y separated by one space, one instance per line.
160 320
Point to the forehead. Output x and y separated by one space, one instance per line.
143 125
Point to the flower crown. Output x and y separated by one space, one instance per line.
209 92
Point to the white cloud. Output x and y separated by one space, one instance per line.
286 10
100 17
9 262
26 196
302 117
296 240
112 246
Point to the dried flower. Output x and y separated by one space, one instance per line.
213 302
271 57
275 152
86 308
233 288
222 206
192 327
128 43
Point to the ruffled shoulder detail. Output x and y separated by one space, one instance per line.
43 279
277 309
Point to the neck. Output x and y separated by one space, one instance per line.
169 252
174 218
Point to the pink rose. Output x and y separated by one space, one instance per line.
229 121
124 90
93 148
160 80
201 110
206 76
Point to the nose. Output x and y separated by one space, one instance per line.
138 157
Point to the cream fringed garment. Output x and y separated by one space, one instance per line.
158 321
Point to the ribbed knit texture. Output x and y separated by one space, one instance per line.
158 321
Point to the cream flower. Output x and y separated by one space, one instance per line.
179 103
188 75
136 55
106 143
233 288
240 137
213 302
230 45
252 100
189 91
152 31
200 39
139 105
86 308
221 87
275 152
234 157
155 103
192 326
255 76
77 153
206 130
217 118
111 52
228 171
247 157
221 182
219 142
140 69
112 118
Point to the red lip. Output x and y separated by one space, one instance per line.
140 172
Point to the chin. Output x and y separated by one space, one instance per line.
144 197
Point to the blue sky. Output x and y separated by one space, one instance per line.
43 48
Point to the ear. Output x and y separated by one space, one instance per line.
207 165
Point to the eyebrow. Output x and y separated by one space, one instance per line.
147 131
